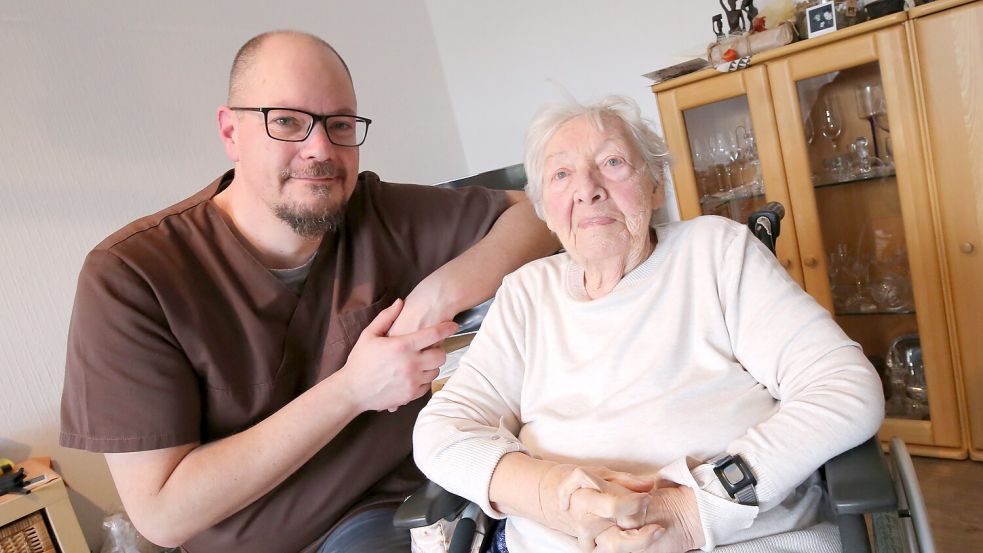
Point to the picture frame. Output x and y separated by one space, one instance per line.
821 19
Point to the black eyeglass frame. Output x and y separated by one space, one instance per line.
315 119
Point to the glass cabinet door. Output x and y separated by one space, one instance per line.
726 156
725 159
851 143
848 139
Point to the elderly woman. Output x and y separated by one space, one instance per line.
682 356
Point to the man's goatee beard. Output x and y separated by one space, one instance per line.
310 223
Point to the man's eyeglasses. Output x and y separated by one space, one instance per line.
294 125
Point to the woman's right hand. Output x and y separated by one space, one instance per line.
585 501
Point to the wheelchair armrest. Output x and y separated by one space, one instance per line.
859 482
427 505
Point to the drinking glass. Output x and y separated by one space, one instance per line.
916 389
724 154
870 102
838 259
749 162
830 128
857 269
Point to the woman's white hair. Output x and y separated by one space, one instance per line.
655 154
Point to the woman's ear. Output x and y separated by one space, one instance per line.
658 194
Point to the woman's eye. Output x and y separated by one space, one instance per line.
614 161
560 175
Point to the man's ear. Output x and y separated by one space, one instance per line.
227 132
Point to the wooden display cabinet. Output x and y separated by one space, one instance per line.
947 43
840 140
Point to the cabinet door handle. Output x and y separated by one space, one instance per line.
811 262
786 263
967 247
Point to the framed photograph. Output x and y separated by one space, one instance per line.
821 19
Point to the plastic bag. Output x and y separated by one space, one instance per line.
120 536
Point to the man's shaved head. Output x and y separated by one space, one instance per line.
246 57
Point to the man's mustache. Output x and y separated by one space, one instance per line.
314 171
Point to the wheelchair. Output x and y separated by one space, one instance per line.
872 503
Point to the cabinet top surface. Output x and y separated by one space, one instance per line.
806 44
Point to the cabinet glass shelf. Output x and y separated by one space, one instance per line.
855 180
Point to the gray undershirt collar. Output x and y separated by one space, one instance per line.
295 278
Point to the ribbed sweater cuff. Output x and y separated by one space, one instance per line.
721 518
470 465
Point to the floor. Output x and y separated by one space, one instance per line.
953 493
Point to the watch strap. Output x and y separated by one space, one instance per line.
743 491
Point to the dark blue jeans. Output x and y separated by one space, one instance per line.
498 539
371 531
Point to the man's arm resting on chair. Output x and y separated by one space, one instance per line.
517 237
172 494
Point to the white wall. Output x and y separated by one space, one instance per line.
108 113
504 59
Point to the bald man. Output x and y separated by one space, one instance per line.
252 359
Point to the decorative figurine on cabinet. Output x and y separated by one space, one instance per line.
735 17
718 26
751 13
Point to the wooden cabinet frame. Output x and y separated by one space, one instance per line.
771 89
753 83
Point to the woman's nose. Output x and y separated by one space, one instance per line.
590 189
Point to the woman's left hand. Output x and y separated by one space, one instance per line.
672 525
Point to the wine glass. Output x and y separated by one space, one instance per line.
724 154
830 128
701 166
749 153
838 259
880 119
857 269
870 99
916 388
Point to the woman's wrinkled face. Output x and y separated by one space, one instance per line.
596 196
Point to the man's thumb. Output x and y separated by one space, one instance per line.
385 319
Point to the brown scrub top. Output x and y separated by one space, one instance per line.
180 335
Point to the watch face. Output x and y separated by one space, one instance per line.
733 474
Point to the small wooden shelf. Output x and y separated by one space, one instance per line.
51 498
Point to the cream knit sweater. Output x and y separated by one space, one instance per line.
706 347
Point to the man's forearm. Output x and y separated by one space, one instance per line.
208 483
517 237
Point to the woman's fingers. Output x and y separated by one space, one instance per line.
628 480
622 507
616 540
577 479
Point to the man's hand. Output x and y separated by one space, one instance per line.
384 372
585 501
423 307
672 525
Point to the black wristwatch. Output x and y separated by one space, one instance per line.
736 478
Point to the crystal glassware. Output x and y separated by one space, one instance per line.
831 129
870 102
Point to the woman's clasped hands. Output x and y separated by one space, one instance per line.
618 512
